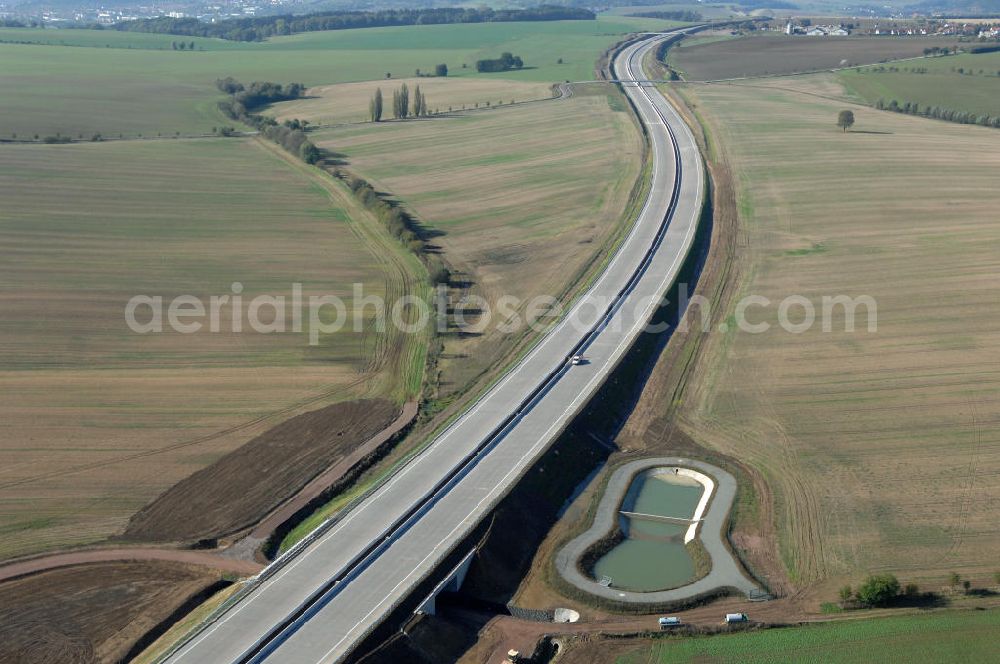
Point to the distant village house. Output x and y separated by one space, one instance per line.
817 30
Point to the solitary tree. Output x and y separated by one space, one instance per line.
845 594
878 590
954 579
418 102
441 70
404 101
845 120
376 105
401 102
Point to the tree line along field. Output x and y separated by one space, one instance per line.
98 420
965 82
882 448
955 636
524 198
86 88
779 54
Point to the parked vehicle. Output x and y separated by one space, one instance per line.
670 621
736 618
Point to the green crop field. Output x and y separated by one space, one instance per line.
98 420
976 88
959 637
85 87
881 447
107 39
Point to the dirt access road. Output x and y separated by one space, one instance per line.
504 633
204 558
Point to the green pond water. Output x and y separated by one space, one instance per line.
653 556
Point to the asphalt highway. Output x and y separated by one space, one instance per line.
318 606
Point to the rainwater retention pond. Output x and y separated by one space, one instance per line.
655 521
653 515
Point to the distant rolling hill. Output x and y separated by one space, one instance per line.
957 7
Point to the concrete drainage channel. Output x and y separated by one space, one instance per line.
628 506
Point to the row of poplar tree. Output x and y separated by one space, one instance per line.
401 104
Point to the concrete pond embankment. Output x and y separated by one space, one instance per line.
651 509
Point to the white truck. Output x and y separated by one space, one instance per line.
669 621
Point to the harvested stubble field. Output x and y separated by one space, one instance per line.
348 102
770 55
882 448
97 420
976 89
138 85
92 613
520 212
